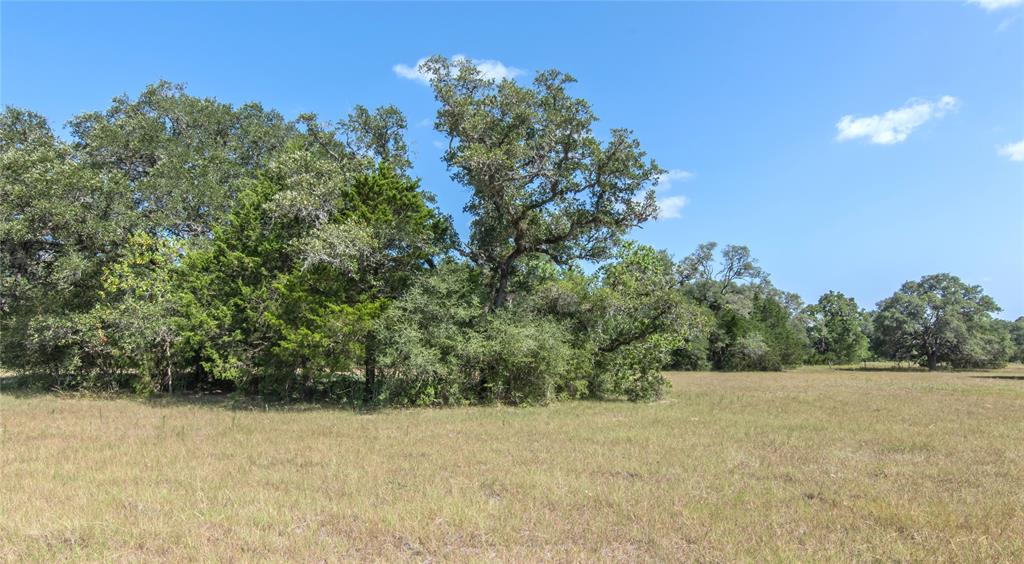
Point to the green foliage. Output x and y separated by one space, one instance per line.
166 164
424 336
990 346
185 158
604 335
183 243
786 339
137 311
521 359
61 223
1016 331
693 354
627 319
768 338
940 319
635 318
542 182
836 330
281 300
750 351
719 286
754 326
179 241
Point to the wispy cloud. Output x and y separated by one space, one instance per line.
666 178
895 125
1013 151
1007 23
670 207
412 73
992 5
489 68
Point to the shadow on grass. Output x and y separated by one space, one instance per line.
884 369
1001 377
23 387
922 370
238 402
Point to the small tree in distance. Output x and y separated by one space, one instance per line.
835 332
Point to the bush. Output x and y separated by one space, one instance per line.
424 336
522 359
634 371
752 352
692 355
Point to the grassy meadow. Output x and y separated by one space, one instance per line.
812 464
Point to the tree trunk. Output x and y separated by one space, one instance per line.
933 360
504 274
501 292
370 366
167 363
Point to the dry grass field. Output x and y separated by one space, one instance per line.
809 465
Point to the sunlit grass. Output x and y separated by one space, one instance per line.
813 464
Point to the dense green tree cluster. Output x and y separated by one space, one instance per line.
836 330
1016 331
938 320
182 243
178 243
752 325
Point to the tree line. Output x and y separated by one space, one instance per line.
937 321
181 243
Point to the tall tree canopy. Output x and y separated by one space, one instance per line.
60 224
1016 331
542 181
940 319
182 241
835 331
719 284
182 157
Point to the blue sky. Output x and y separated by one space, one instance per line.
747 102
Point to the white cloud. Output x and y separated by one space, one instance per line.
895 125
412 73
494 69
992 5
1013 151
671 207
489 68
666 178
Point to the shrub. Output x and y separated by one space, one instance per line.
634 371
522 359
424 336
752 352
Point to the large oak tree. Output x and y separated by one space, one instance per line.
939 318
542 181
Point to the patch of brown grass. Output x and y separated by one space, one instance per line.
813 464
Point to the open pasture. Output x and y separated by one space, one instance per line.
811 464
